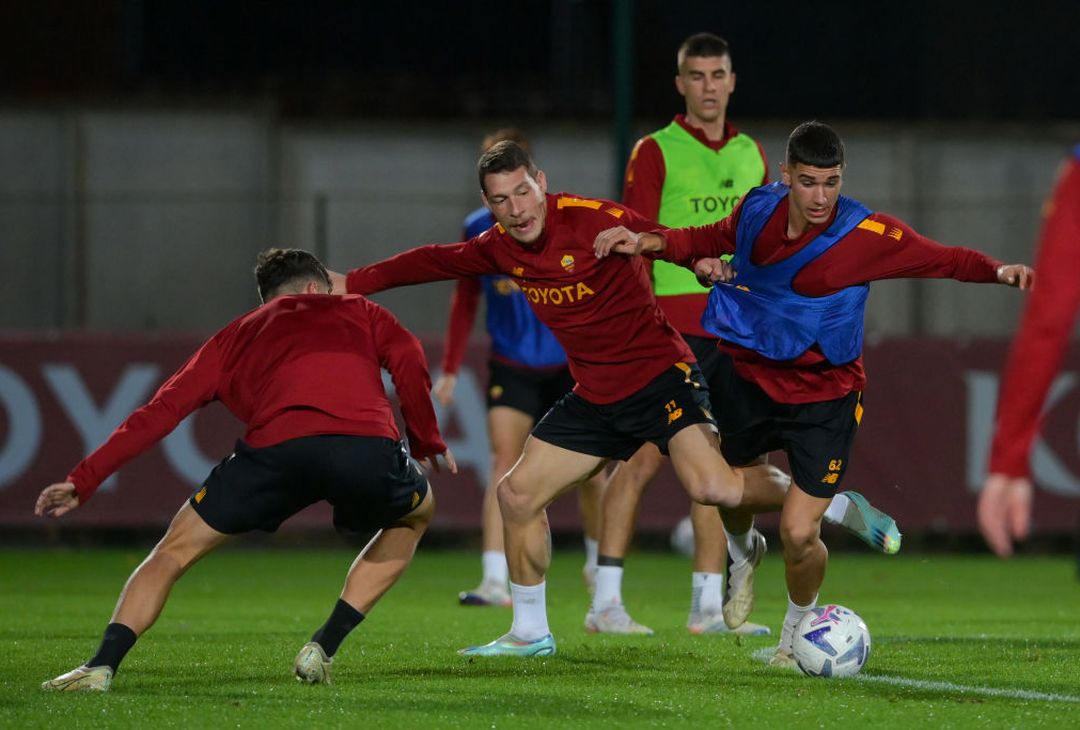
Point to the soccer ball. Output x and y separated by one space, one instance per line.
831 641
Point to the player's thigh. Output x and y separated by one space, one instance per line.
699 464
507 430
544 472
643 465
189 537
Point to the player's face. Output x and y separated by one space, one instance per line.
517 201
706 82
814 191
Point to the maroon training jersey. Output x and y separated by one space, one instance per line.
882 247
1047 322
297 366
602 311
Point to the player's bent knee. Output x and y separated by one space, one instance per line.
716 491
515 501
799 537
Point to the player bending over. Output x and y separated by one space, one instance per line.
302 371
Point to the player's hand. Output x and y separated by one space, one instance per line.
713 270
443 391
1004 512
617 240
431 463
622 240
56 500
1018 275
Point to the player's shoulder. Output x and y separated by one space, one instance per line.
879 224
646 145
583 208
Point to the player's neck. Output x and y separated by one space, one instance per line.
713 131
797 225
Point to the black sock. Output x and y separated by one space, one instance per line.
115 644
343 619
608 561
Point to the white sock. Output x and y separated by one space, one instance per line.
707 592
837 507
530 611
739 546
791 619
608 586
592 547
495 571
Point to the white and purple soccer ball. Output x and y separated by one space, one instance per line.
831 641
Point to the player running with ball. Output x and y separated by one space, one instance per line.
791 325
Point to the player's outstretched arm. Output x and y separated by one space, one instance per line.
56 500
431 463
1004 512
1017 275
622 240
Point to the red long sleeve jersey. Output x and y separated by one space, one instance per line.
297 366
602 311
463 306
881 248
1045 326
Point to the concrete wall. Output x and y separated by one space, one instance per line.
150 220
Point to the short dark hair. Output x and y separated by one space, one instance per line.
278 268
701 45
505 156
501 135
815 144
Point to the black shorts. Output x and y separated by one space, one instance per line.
531 391
816 437
675 399
369 480
708 355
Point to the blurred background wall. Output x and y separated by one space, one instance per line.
147 220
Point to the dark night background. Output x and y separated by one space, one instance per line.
917 60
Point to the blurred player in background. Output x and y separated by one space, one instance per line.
527 373
691 173
636 379
1004 511
302 372
790 324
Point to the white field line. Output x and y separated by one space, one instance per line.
763 655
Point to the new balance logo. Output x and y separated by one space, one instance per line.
674 413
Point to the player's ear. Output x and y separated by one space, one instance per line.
785 174
541 180
679 85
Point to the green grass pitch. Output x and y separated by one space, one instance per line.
957 642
